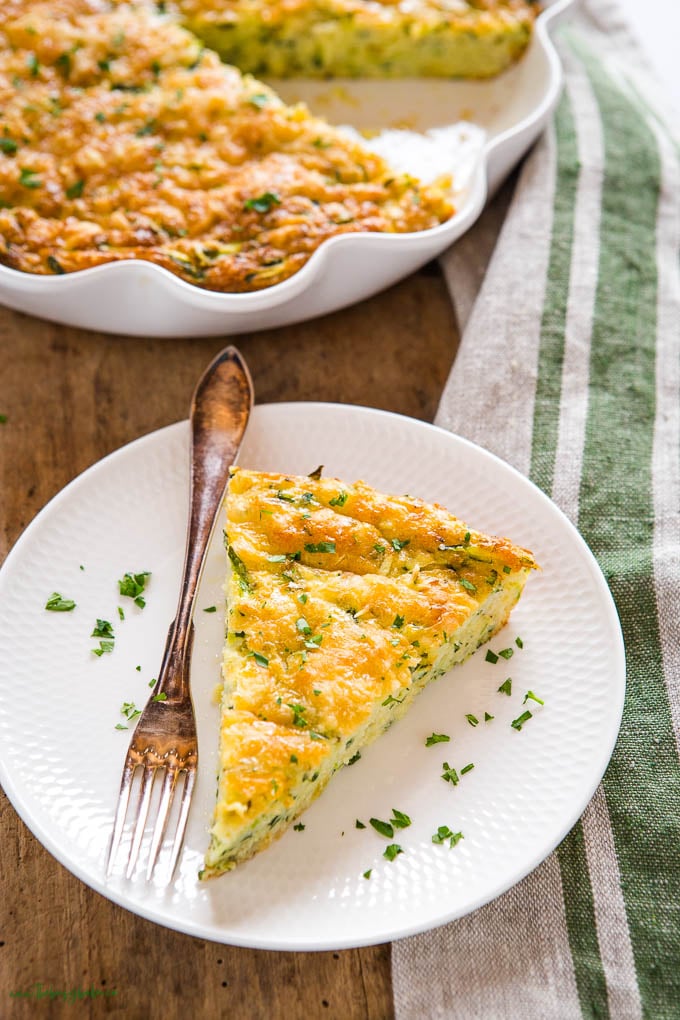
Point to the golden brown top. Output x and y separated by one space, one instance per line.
338 594
120 138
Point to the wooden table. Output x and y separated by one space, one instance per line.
70 398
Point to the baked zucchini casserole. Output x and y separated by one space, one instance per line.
342 604
121 137
364 38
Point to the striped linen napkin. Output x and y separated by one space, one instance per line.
578 324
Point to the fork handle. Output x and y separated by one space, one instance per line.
220 409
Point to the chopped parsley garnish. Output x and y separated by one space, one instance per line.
389 700
55 265
507 653
299 827
303 626
132 585
75 190
316 473
285 497
298 714
398 622
355 757
259 99
443 833
293 759
491 656
472 719
367 874
160 697
102 629
320 547
506 687
106 645
210 609
277 558
129 710
149 128
392 851
239 568
519 642
119 726
57 604
303 597
260 659
33 65
339 500
487 717
263 203
437 738
359 825
468 585
450 775
380 549
530 696
100 117
121 613
313 735
398 544
399 820
467 768
28 178
507 569
8 146
3 421
518 723
383 828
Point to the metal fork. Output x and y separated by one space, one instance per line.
164 741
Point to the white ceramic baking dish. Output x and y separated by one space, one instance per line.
138 298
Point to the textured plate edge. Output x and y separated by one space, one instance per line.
304 945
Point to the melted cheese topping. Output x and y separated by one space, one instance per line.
122 138
342 602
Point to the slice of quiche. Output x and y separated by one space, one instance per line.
342 604
365 38
122 138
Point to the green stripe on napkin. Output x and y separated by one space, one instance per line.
581 315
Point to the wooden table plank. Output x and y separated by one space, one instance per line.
71 397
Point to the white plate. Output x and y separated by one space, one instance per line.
62 757
142 299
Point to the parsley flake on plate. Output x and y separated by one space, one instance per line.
383 828
132 586
57 604
437 738
443 833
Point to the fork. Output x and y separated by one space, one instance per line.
164 742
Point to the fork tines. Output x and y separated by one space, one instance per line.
145 766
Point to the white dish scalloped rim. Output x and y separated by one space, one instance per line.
138 298
306 891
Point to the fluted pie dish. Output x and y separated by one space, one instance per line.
147 188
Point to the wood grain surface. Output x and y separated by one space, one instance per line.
71 397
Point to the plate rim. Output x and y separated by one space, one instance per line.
303 944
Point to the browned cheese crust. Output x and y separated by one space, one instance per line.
121 138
